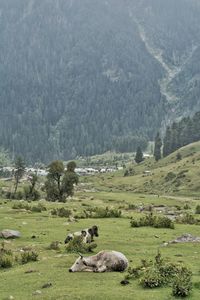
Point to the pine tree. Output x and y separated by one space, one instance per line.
157 148
139 155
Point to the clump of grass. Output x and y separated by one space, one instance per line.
153 221
77 245
187 219
28 256
197 209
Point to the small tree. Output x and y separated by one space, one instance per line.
139 155
157 147
19 171
60 183
30 191
70 178
53 184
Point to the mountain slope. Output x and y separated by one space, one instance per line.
78 77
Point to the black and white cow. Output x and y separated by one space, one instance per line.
104 261
87 234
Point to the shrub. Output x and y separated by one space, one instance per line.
152 278
197 210
6 260
28 256
39 208
61 212
21 205
77 245
100 212
153 221
182 284
55 245
170 176
186 219
6 257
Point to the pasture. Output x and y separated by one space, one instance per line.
115 234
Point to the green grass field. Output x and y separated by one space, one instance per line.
115 234
116 192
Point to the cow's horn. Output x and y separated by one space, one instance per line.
80 254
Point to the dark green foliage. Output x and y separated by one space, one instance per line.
180 134
139 156
77 245
39 208
153 221
182 284
61 212
29 256
157 147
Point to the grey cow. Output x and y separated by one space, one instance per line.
104 261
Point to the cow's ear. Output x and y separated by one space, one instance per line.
84 233
90 231
84 262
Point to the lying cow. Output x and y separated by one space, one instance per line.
87 234
104 261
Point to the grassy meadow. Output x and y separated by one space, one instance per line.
25 281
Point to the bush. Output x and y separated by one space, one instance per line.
21 205
170 176
153 221
77 245
61 212
182 284
6 257
186 219
55 245
39 208
28 256
152 278
197 210
100 212
6 260
31 194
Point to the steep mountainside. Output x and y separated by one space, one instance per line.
81 77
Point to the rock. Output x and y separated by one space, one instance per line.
46 285
9 234
11 297
124 282
186 238
30 271
37 292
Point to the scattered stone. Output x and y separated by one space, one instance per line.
185 238
72 220
37 292
124 282
30 271
11 297
24 223
9 234
156 236
46 285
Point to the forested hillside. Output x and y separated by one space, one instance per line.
81 77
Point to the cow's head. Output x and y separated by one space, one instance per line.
68 239
79 265
94 231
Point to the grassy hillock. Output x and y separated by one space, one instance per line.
176 174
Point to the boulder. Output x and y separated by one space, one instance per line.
9 234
